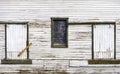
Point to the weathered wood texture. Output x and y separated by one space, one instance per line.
49 66
76 10
79 36
79 42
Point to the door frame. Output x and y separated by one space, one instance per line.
27 42
106 23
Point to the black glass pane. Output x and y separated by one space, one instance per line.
56 26
59 32
56 35
62 28
62 41
62 23
62 35
59 26
56 41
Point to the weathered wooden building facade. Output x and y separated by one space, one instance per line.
70 36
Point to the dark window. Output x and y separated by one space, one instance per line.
59 32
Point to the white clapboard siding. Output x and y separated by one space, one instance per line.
79 41
104 41
16 41
76 10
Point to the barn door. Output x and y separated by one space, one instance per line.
103 41
16 40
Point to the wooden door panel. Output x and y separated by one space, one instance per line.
16 41
104 41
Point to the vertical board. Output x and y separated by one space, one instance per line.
16 41
2 41
118 41
103 41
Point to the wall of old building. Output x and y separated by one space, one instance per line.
72 59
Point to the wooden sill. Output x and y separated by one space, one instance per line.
59 46
16 61
100 61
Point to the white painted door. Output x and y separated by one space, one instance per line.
16 41
103 41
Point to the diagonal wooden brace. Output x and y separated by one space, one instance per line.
26 48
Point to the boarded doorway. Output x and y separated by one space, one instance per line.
16 37
103 35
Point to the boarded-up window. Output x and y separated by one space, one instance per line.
59 33
103 41
16 40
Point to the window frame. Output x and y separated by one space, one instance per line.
16 61
52 32
93 38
